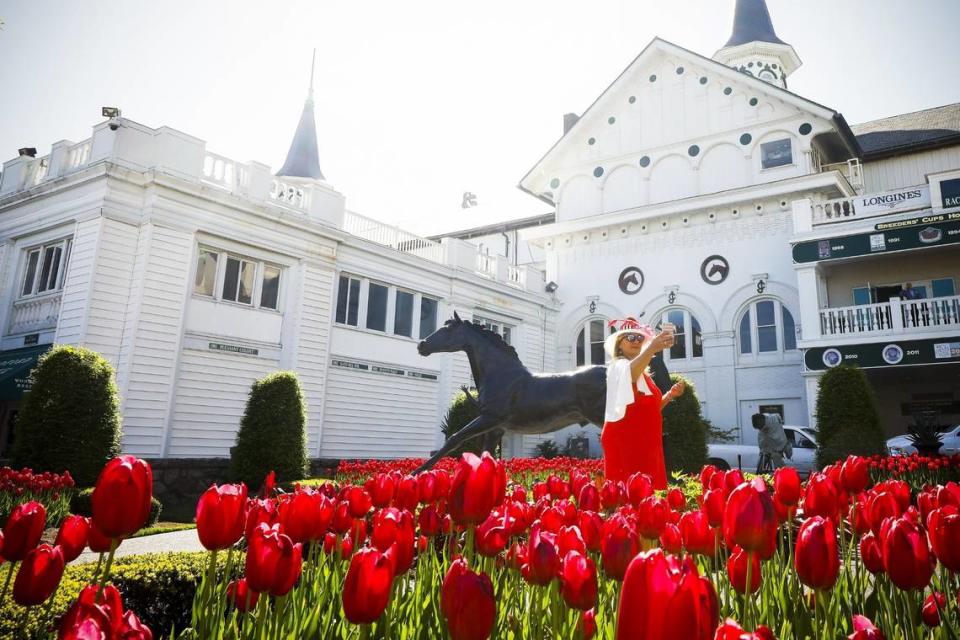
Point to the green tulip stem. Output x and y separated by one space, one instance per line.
748 595
364 632
816 615
114 543
208 590
96 571
6 584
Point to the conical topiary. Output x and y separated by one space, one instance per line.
847 418
684 431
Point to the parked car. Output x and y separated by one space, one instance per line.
747 456
900 445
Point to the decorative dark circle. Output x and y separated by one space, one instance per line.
611 120
555 183
632 99
774 65
749 64
630 280
591 141
714 270
653 78
703 80
745 139
727 91
679 71
806 128
598 172
694 150
753 102
645 161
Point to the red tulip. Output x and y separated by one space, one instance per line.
612 495
730 630
559 489
221 515
816 559
273 561
943 528
714 504
589 498
863 629
591 527
639 486
737 570
906 557
38 576
366 589
786 486
578 581
381 488
663 597
697 535
407 496
427 487
358 501
570 539
97 542
543 561
619 543
467 602
930 613
820 498
259 511
391 526
121 497
671 540
479 485
429 520
72 536
870 553
588 624
676 499
652 517
749 516
106 612
854 474
880 506
23 530
241 595
133 629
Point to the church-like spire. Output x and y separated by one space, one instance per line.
754 47
303 159
751 23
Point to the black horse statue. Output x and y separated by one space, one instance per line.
510 398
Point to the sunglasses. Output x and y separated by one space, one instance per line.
633 337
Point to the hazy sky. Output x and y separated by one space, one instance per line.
420 101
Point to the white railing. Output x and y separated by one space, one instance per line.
516 276
893 317
487 265
36 172
289 194
35 314
851 170
222 171
393 237
834 210
78 155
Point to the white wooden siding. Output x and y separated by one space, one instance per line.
110 288
313 344
77 282
370 415
541 357
908 170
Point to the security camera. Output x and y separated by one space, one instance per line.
114 125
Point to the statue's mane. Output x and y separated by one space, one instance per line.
493 337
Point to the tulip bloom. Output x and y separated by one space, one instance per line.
589 498
98 542
651 517
72 536
221 515
820 498
121 497
407 495
871 554
906 557
38 576
23 530
816 559
863 629
467 602
671 540
358 501
578 581
930 613
730 630
381 488
664 597
737 565
854 474
479 485
749 516
366 589
273 561
943 527
391 526
91 615
697 535
786 486
880 506
714 504
619 543
543 561
639 486
241 595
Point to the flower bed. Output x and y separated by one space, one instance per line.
525 549
51 489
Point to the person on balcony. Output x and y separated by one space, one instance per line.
908 292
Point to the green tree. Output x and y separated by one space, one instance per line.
273 432
461 412
70 418
684 431
847 418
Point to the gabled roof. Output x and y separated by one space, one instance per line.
303 159
907 132
659 44
751 23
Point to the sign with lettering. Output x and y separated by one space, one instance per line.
897 200
950 193
346 364
883 354
425 376
914 222
389 370
232 348
922 234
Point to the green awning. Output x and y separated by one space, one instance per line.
15 368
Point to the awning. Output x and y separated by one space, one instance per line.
15 368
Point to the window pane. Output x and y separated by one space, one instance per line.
206 276
942 287
679 348
248 274
48 259
767 338
403 314
53 273
596 331
507 335
353 306
270 290
596 353
765 314
377 307
789 331
428 316
861 295
697 338
745 346
676 317
32 259
342 294
580 347
230 279
776 153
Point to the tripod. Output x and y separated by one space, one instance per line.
765 463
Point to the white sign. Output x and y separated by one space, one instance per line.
897 200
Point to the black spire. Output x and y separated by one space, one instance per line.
303 159
751 23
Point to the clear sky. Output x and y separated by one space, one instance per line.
420 101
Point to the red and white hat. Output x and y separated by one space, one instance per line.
625 326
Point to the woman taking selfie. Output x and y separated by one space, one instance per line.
632 436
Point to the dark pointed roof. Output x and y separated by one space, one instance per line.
303 160
751 23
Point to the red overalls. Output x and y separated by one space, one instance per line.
635 442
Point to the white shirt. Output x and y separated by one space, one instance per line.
619 389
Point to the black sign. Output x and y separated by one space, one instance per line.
917 237
232 348
950 193
913 222
33 338
346 364
631 280
389 370
714 269
885 354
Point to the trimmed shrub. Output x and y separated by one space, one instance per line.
82 505
158 587
273 432
684 431
847 418
547 449
70 418
462 411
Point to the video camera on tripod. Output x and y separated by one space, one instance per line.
772 441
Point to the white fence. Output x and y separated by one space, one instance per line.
895 316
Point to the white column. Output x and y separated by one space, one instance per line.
807 283
811 381
802 216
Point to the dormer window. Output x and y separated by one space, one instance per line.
44 268
777 153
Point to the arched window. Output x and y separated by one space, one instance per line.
590 342
766 326
689 337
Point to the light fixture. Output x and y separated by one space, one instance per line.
551 287
30 152
110 112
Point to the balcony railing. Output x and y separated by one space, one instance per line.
870 205
893 317
391 236
31 315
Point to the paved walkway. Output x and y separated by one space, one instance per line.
162 542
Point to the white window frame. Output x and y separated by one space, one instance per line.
688 318
340 291
390 320
65 245
793 157
587 351
755 354
503 329
258 274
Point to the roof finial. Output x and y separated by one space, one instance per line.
313 63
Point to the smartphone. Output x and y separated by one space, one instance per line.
669 327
